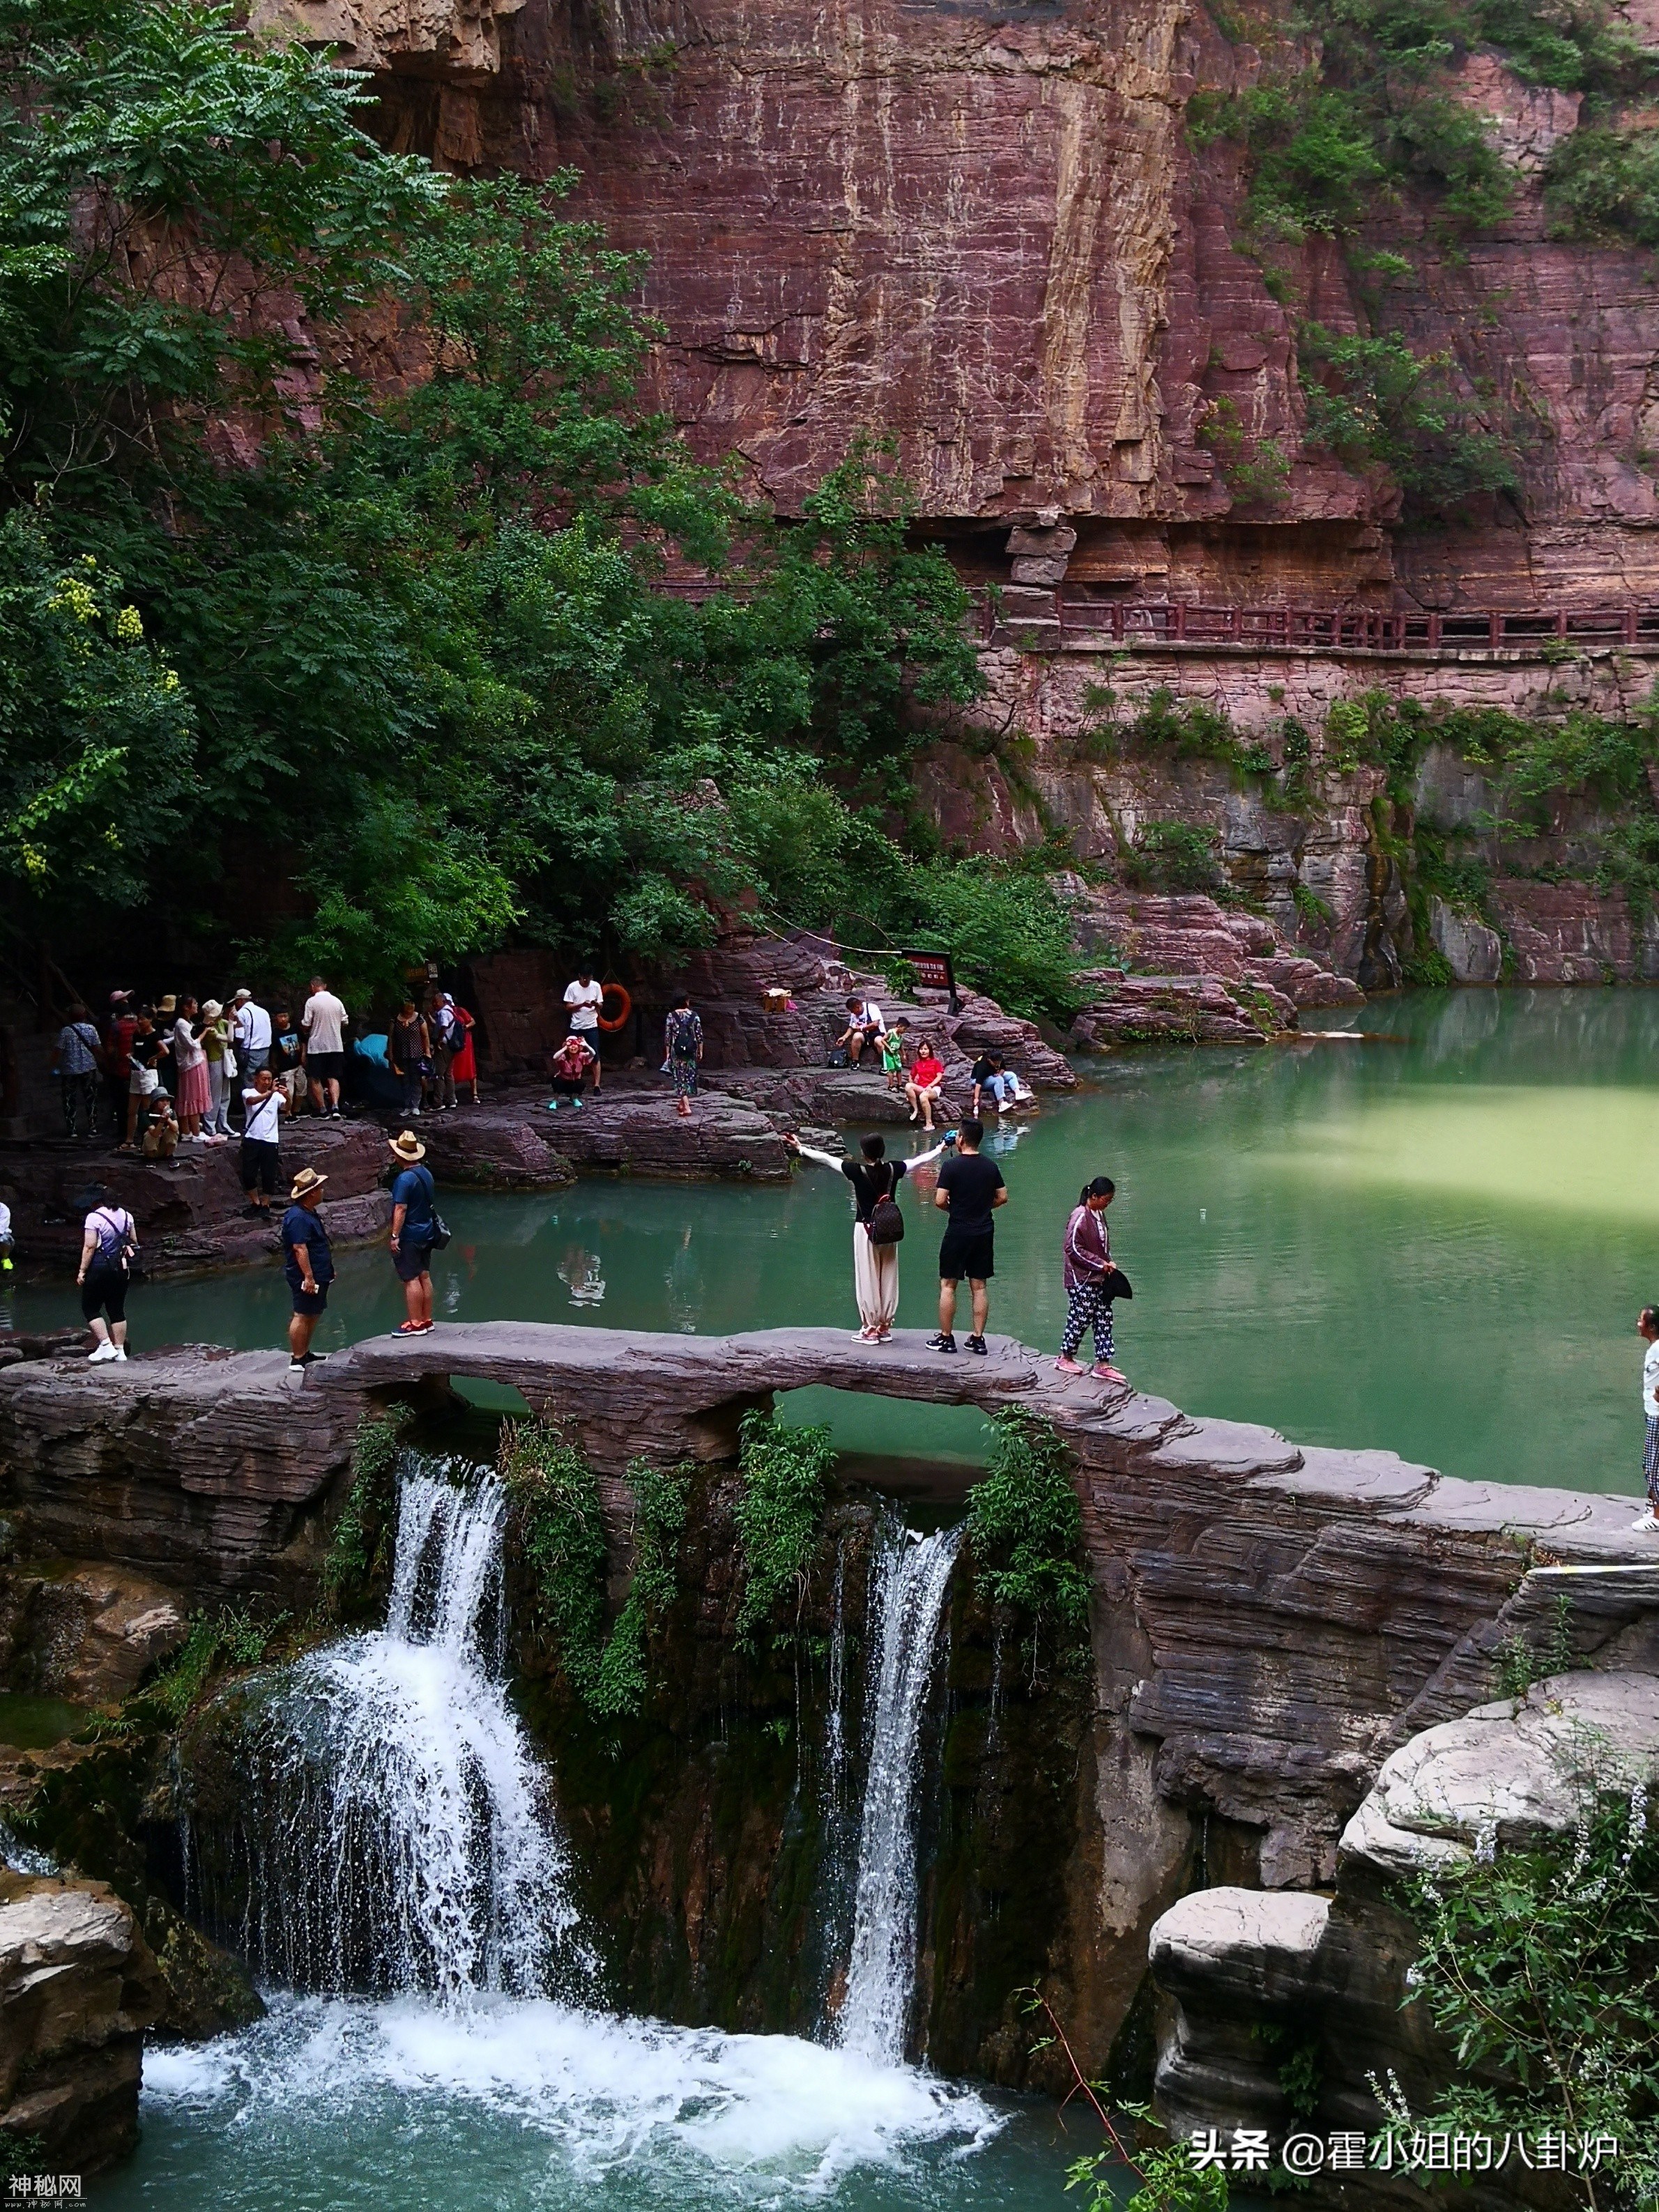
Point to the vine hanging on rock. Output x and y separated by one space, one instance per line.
559 1526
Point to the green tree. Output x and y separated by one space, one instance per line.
361 443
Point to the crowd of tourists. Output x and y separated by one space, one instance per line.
180 1071
172 1070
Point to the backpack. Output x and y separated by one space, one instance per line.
122 1255
886 1221
684 1045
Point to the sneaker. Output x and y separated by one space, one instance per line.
120 1353
1103 1372
976 1344
296 1367
1064 1366
99 1354
945 1342
1647 1523
313 1359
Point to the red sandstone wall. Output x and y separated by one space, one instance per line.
985 234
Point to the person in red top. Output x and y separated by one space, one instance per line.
465 1065
926 1075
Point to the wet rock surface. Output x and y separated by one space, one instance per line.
1272 1620
190 1211
78 1987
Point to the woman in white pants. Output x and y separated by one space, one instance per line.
875 1266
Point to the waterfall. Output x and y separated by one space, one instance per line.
394 1826
915 1573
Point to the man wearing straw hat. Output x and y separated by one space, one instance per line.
414 1203
309 1266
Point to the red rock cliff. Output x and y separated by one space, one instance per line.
984 230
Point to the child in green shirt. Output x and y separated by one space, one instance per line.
892 1054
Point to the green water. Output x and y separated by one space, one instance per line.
1436 1244
30 1723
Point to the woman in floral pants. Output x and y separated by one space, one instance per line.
1088 1264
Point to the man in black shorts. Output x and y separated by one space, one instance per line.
970 1189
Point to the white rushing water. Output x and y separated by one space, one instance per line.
914 1574
629 2112
398 1834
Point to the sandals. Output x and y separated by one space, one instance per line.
413 1327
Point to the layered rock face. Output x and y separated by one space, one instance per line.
78 1987
1327 1975
991 237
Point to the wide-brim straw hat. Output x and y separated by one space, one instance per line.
306 1181
409 1147
212 1009
168 1006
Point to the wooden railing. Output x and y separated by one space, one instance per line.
1350 629
1092 624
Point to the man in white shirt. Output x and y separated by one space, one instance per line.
1648 1329
584 998
263 1106
865 1029
324 1023
250 1029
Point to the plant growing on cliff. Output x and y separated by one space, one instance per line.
1176 856
1373 401
1164 2175
559 1530
232 1637
1026 1528
785 1472
1540 1967
357 1549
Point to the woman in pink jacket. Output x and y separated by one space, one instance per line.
1088 1264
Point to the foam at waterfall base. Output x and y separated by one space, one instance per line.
709 2108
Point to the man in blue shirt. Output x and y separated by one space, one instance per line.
413 1205
309 1266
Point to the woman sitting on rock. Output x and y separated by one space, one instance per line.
926 1080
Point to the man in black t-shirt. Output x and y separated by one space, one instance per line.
970 1189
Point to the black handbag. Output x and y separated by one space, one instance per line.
441 1231
1117 1285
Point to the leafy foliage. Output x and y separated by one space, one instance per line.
785 1473
1026 1526
375 523
1541 1966
559 1529
356 1550
231 1638
1373 401
1603 182
1176 856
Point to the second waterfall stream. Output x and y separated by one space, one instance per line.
908 1585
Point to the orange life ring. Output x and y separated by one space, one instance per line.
616 1021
